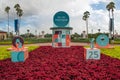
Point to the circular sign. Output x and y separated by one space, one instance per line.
17 42
61 19
102 40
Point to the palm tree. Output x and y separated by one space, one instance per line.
110 7
98 30
28 32
19 13
85 17
43 32
17 6
7 9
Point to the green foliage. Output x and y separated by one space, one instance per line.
115 52
5 42
4 54
96 35
80 40
27 35
28 41
41 40
75 36
116 41
48 35
31 48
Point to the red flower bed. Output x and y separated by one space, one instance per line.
47 63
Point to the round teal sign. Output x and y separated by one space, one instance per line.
102 40
61 19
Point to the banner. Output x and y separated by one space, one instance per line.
111 24
16 25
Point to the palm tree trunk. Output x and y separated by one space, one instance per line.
109 14
109 26
17 33
113 23
8 25
87 27
19 26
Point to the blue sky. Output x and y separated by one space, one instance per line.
38 15
98 6
102 5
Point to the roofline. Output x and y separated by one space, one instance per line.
52 28
2 31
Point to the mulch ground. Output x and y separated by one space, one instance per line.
47 63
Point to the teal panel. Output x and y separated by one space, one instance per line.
63 36
17 56
63 40
56 40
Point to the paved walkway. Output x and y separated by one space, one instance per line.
50 44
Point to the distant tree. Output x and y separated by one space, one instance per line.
28 32
48 35
43 32
7 9
98 30
85 18
75 36
25 35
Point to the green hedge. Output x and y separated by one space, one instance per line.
46 40
42 40
28 41
80 40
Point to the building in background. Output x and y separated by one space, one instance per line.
3 35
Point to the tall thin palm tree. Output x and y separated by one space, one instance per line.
43 34
19 13
110 7
98 30
85 17
17 7
28 32
7 9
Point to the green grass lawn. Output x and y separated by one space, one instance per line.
113 52
6 54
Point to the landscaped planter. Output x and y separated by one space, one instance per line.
47 63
